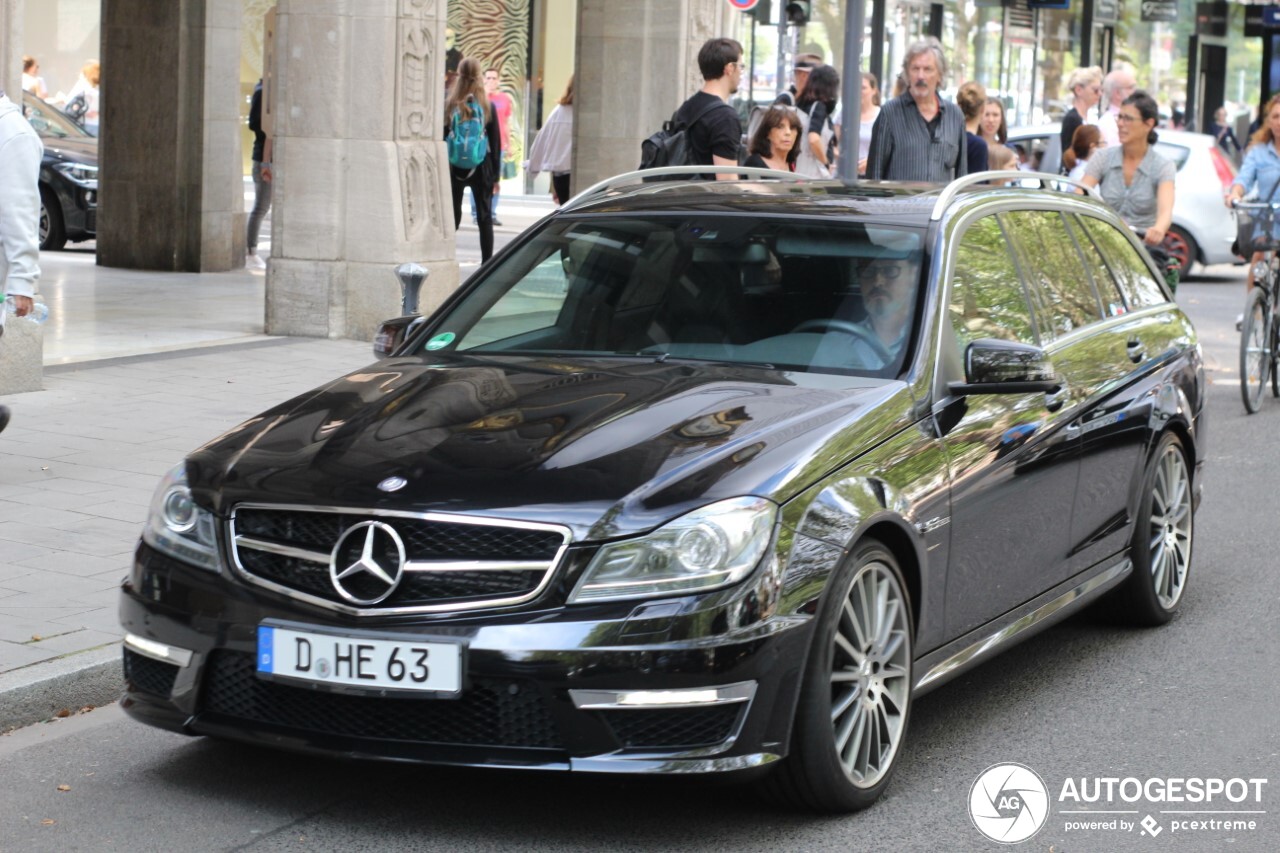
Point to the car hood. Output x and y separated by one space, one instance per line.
71 150
606 448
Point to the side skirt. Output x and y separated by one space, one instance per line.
989 640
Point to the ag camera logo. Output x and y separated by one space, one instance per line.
1009 803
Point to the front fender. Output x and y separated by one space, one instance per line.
897 492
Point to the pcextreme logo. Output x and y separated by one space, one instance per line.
1010 803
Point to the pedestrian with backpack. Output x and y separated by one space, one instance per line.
709 126
473 143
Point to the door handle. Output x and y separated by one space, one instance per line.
1136 349
1055 399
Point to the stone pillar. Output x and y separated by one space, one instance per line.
637 62
11 14
361 178
171 189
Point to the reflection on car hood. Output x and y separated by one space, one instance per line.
71 150
606 447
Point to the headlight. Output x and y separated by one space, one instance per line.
710 547
80 173
179 528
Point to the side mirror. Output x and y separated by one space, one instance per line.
1005 367
393 333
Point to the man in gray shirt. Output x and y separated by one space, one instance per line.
918 136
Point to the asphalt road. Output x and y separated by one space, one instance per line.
1196 698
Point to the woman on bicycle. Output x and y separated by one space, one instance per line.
1134 178
1260 170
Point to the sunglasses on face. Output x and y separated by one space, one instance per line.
887 272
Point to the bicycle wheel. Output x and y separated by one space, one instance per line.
1275 356
1255 360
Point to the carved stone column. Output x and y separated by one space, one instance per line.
637 62
361 178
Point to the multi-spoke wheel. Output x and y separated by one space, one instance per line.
855 700
1181 246
53 232
1162 538
1275 355
1255 355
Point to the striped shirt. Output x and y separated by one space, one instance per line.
905 148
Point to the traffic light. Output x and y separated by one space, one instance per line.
798 12
762 12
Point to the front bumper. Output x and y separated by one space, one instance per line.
688 685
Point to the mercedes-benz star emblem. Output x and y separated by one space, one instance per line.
367 563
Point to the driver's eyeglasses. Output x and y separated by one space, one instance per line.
1126 119
889 272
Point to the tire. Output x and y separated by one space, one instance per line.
53 231
1181 245
1255 362
858 672
1275 357
1162 539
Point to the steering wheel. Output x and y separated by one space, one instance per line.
846 327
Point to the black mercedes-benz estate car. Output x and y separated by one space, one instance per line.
692 477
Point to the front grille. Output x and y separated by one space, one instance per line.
446 557
491 712
149 675
668 728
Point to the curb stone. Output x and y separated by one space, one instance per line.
36 693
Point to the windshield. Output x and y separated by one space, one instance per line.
787 293
50 122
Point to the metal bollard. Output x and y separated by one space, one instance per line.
411 277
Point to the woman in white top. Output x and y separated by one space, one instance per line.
552 150
870 105
31 81
87 85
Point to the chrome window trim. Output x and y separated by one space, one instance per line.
234 539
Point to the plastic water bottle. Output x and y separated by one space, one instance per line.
38 314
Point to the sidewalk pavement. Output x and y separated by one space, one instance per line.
140 369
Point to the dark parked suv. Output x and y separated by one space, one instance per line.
692 478
68 176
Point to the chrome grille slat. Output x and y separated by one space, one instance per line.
452 562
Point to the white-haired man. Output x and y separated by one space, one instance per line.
1116 86
918 136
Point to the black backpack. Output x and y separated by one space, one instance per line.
670 146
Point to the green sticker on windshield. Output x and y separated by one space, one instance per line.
440 341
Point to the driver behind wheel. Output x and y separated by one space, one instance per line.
888 294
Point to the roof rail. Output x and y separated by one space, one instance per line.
1047 181
650 174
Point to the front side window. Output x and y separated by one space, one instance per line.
1055 271
987 295
791 294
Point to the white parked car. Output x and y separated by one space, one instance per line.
1203 229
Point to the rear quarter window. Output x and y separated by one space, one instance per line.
1130 271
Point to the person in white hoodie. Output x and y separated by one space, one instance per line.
20 154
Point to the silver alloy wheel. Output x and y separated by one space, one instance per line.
870 674
44 223
1170 527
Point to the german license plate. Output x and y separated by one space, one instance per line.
370 664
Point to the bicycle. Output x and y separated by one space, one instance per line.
1260 329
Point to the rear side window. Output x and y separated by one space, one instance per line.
1130 270
1176 154
987 296
1053 269
1113 302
